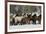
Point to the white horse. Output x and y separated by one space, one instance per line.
18 19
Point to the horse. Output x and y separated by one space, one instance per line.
34 18
12 20
39 19
26 20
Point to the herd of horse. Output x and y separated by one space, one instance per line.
25 19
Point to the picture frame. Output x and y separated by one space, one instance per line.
26 28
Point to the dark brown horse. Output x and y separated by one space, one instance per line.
39 19
26 20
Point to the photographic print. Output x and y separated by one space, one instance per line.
24 17
24 14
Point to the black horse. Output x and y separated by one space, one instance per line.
34 18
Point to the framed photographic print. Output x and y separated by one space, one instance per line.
24 17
